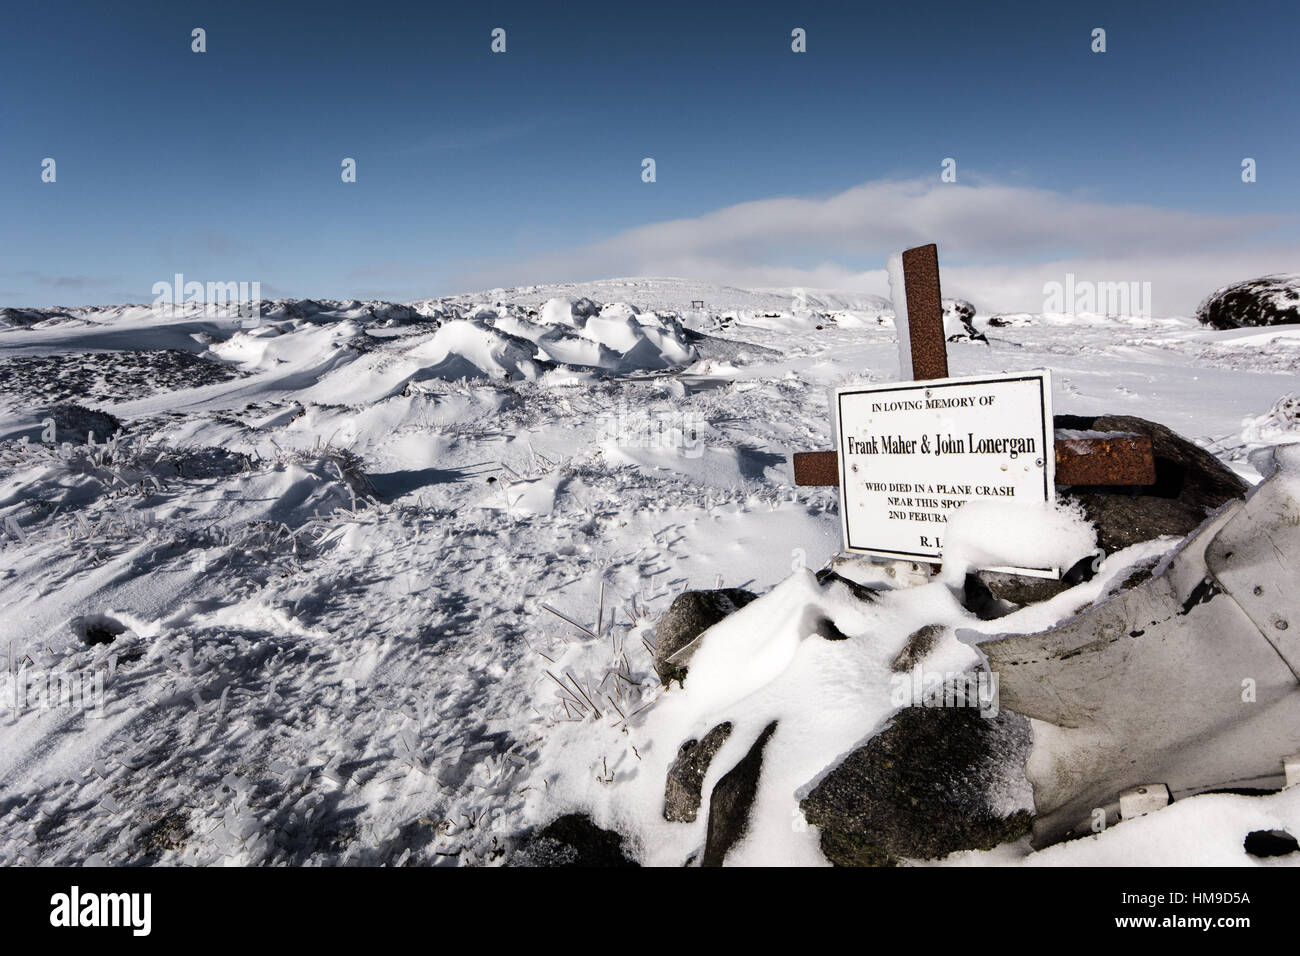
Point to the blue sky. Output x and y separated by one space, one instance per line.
773 168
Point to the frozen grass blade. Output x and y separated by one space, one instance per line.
569 620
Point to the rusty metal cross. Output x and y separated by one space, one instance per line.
1112 460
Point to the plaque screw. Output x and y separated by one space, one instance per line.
1281 625
927 393
1038 462
1258 590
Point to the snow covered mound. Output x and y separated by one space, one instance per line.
1270 300
618 338
358 362
1280 425
483 341
470 348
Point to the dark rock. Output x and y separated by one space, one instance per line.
685 783
825 628
91 378
1137 574
208 462
930 784
1190 483
827 576
302 308
1082 571
847 849
169 831
585 308
92 629
959 308
74 423
690 615
978 598
730 803
1014 590
572 840
1265 843
920 643
1270 300
1013 320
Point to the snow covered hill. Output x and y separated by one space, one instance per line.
317 592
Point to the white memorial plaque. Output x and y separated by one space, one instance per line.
912 453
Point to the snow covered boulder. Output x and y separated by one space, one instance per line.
619 310
618 340
959 322
571 314
690 615
937 780
614 329
557 312
390 314
662 344
1270 300
1279 425
1190 484
470 349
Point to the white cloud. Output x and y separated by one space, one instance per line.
998 244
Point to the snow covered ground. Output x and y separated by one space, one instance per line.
346 556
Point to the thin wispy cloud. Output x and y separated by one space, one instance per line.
457 139
68 282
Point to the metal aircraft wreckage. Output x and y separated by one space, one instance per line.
1190 680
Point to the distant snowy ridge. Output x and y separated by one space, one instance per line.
674 294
